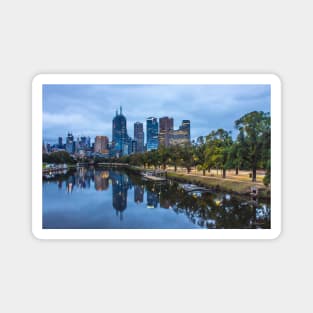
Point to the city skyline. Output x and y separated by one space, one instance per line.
88 110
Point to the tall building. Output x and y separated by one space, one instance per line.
101 144
60 143
139 136
185 125
120 139
180 136
44 150
134 148
152 133
166 124
70 143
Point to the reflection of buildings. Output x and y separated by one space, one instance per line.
101 180
152 199
165 203
70 183
120 185
138 194
60 183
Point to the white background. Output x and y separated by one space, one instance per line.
155 37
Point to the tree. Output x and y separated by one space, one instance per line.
219 147
254 131
163 156
200 158
58 157
187 157
236 156
174 156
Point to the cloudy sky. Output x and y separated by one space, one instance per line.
89 109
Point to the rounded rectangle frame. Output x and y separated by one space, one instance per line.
148 79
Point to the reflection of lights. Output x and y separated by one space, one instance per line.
218 202
105 174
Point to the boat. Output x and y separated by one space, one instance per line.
191 188
154 175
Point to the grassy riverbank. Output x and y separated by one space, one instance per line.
240 185
230 185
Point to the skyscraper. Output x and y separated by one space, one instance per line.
139 136
185 125
60 143
180 136
70 143
101 144
166 124
152 133
120 139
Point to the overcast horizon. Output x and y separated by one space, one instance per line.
88 110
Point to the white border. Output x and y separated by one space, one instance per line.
42 79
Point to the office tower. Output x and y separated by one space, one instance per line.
165 124
120 138
134 146
185 125
139 136
60 143
44 150
101 144
88 142
180 136
152 133
83 143
70 143
200 140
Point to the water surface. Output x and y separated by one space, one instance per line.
95 198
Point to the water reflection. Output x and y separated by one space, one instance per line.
209 210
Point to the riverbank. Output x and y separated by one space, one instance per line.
223 184
238 186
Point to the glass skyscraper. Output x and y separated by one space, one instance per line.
166 124
70 143
139 136
152 133
120 139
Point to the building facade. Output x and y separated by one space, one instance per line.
166 124
152 133
185 125
139 136
70 143
101 144
180 136
120 139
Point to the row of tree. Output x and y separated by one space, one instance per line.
58 157
251 150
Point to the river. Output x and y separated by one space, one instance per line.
95 198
